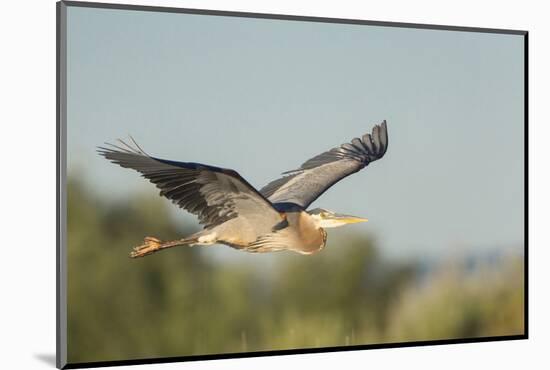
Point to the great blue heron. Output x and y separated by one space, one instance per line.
234 213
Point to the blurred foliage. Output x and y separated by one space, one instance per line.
180 302
487 302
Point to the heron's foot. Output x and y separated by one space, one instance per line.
150 245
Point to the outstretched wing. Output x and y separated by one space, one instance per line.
305 184
214 194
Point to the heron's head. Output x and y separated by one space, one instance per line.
326 218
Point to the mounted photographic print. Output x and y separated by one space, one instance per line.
235 184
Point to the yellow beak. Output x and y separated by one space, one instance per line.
350 219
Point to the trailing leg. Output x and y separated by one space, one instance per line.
151 245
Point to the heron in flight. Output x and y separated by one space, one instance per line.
234 213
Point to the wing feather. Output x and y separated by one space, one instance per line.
305 184
214 194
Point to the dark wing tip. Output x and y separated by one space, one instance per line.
375 144
123 147
383 137
379 136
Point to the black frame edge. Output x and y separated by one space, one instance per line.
526 184
302 351
227 13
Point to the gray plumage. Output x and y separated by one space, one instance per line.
305 184
215 195
234 213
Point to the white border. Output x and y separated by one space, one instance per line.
28 187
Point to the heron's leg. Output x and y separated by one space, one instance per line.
151 245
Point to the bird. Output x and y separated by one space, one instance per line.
234 213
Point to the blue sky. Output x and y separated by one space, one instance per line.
262 96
